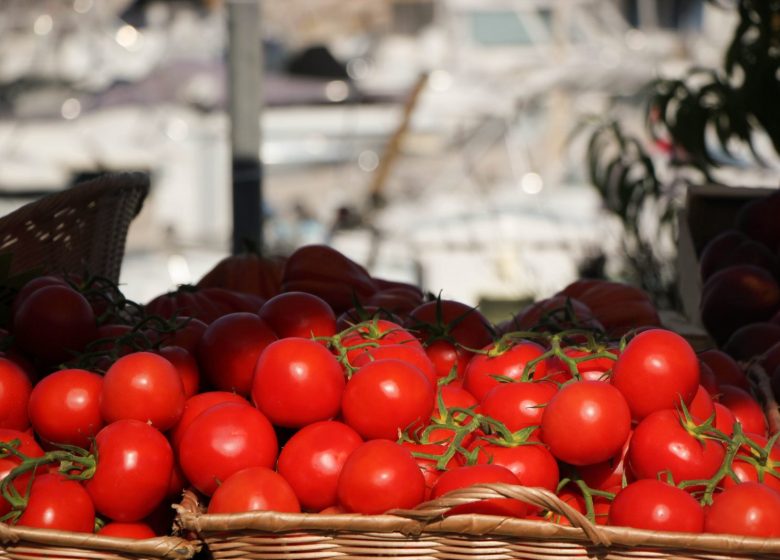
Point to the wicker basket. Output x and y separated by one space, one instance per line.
27 543
82 229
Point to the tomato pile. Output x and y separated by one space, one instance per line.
321 389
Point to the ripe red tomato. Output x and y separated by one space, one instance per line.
312 459
197 404
724 419
518 405
656 370
56 502
65 407
136 530
656 506
225 439
463 477
744 408
254 489
297 381
749 467
749 509
143 386
702 407
134 463
532 464
596 369
376 332
186 365
445 355
428 466
385 397
586 422
411 354
298 314
15 389
609 473
229 350
479 377
378 476
29 447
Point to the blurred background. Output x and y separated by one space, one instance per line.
439 142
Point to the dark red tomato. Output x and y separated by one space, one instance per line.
412 355
134 463
606 474
136 530
223 440
656 506
187 336
32 286
298 314
745 409
445 355
229 350
378 476
586 422
518 405
662 443
386 397
15 389
27 446
143 386
312 459
750 509
656 370
533 465
65 407
724 419
428 465
58 503
707 378
54 324
254 489
463 477
702 407
186 365
482 369
451 320
725 369
297 381
197 404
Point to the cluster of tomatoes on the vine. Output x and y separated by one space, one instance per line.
291 408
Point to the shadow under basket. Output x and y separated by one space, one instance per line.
81 229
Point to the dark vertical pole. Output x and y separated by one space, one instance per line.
245 81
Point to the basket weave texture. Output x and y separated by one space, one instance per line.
81 229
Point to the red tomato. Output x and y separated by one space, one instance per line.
134 463
297 381
482 369
412 355
58 503
229 350
586 422
378 476
143 386
312 459
445 355
254 489
656 506
65 407
532 464
197 404
724 419
455 397
745 409
186 365
385 397
223 440
377 332
298 314
702 406
661 443
27 446
518 405
749 509
749 466
428 466
595 367
656 370
725 369
463 477
15 389
135 530
606 474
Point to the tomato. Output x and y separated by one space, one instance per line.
656 370
134 463
312 459
463 477
586 422
143 386
707 378
656 506
32 286
186 365
187 336
297 381
510 362
532 464
749 509
27 446
135 530
702 407
54 324
428 466
725 368
453 321
197 404
518 405
385 397
65 407
412 355
58 503
298 314
223 440
377 332
607 474
662 443
724 419
596 368
745 409
229 350
445 356
378 476
254 489
15 390
749 466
